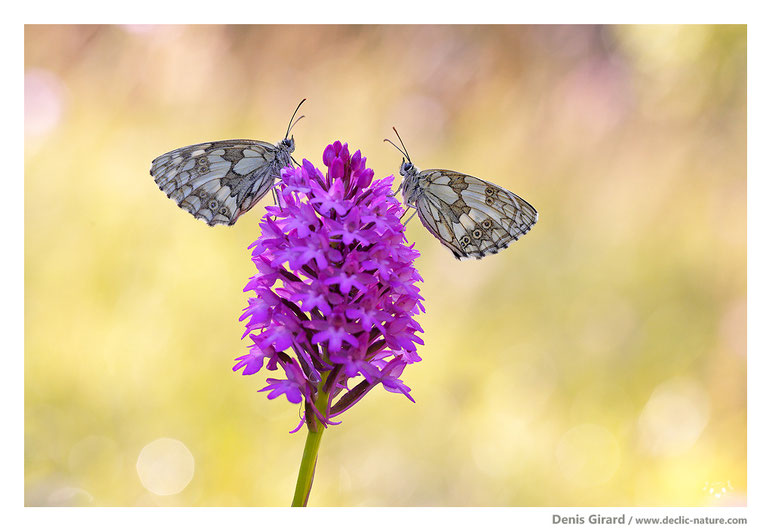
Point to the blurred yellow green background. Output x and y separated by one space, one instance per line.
599 361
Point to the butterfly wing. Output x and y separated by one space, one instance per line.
471 217
218 181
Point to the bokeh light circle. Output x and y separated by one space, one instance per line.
674 417
165 466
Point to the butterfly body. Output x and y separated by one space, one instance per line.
219 181
469 216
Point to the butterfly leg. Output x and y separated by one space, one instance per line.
398 189
276 198
415 211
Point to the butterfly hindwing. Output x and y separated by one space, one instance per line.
430 212
470 216
219 181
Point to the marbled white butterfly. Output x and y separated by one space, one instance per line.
471 217
219 181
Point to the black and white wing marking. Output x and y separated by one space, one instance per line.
471 217
219 181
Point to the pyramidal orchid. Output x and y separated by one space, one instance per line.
334 297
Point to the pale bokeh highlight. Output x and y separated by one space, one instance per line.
165 466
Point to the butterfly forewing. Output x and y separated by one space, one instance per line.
471 217
219 181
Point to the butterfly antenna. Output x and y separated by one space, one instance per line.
293 118
398 148
294 123
403 144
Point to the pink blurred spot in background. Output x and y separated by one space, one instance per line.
43 102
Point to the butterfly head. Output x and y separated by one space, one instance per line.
288 144
407 168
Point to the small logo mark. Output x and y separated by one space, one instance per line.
717 489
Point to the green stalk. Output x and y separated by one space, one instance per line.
311 450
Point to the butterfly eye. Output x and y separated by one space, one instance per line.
224 211
486 224
477 233
213 205
489 201
464 241
489 191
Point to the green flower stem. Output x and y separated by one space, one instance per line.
311 450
